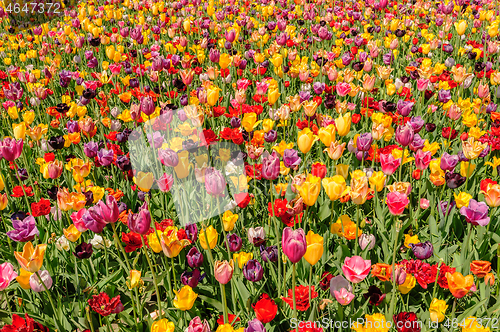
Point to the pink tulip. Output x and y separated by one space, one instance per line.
11 149
423 159
424 203
397 202
389 163
343 89
344 297
294 244
356 269
77 218
7 274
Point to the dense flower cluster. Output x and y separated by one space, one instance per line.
232 165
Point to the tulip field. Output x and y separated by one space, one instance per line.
249 165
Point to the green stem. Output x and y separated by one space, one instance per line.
394 249
119 245
89 319
294 300
224 303
105 255
7 302
356 244
56 318
160 313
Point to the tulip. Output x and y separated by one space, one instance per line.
377 181
38 280
294 244
437 310
255 325
171 245
163 325
389 164
335 187
31 258
404 135
196 325
271 167
335 150
223 271
359 190
367 240
24 230
397 202
229 219
144 181
343 124
461 26
310 189
327 134
72 233
234 242
212 95
314 250
215 184
134 279
422 250
252 270
305 140
459 285
10 149
341 289
211 234
492 195
356 269
7 274
480 268
185 298
422 159
476 213
256 236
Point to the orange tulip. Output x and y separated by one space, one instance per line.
458 284
31 258
480 268
492 195
382 271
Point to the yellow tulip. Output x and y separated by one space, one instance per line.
377 181
212 95
134 280
31 258
408 285
225 60
249 121
305 140
327 134
242 258
310 189
24 278
182 168
272 96
19 130
335 187
437 309
144 181
229 219
210 234
343 124
184 299
462 199
163 325
461 26
314 248
171 244
467 168
71 233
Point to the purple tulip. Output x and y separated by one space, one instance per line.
448 162
417 123
269 254
147 105
294 244
90 149
319 87
255 325
168 157
404 107
36 284
445 207
253 271
214 55
192 278
155 140
367 240
339 282
11 149
24 230
422 250
192 232
234 242
14 91
444 96
194 258
215 184
476 213
140 222
404 134
364 142
271 167
291 158
105 157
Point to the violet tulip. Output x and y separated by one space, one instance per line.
294 244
